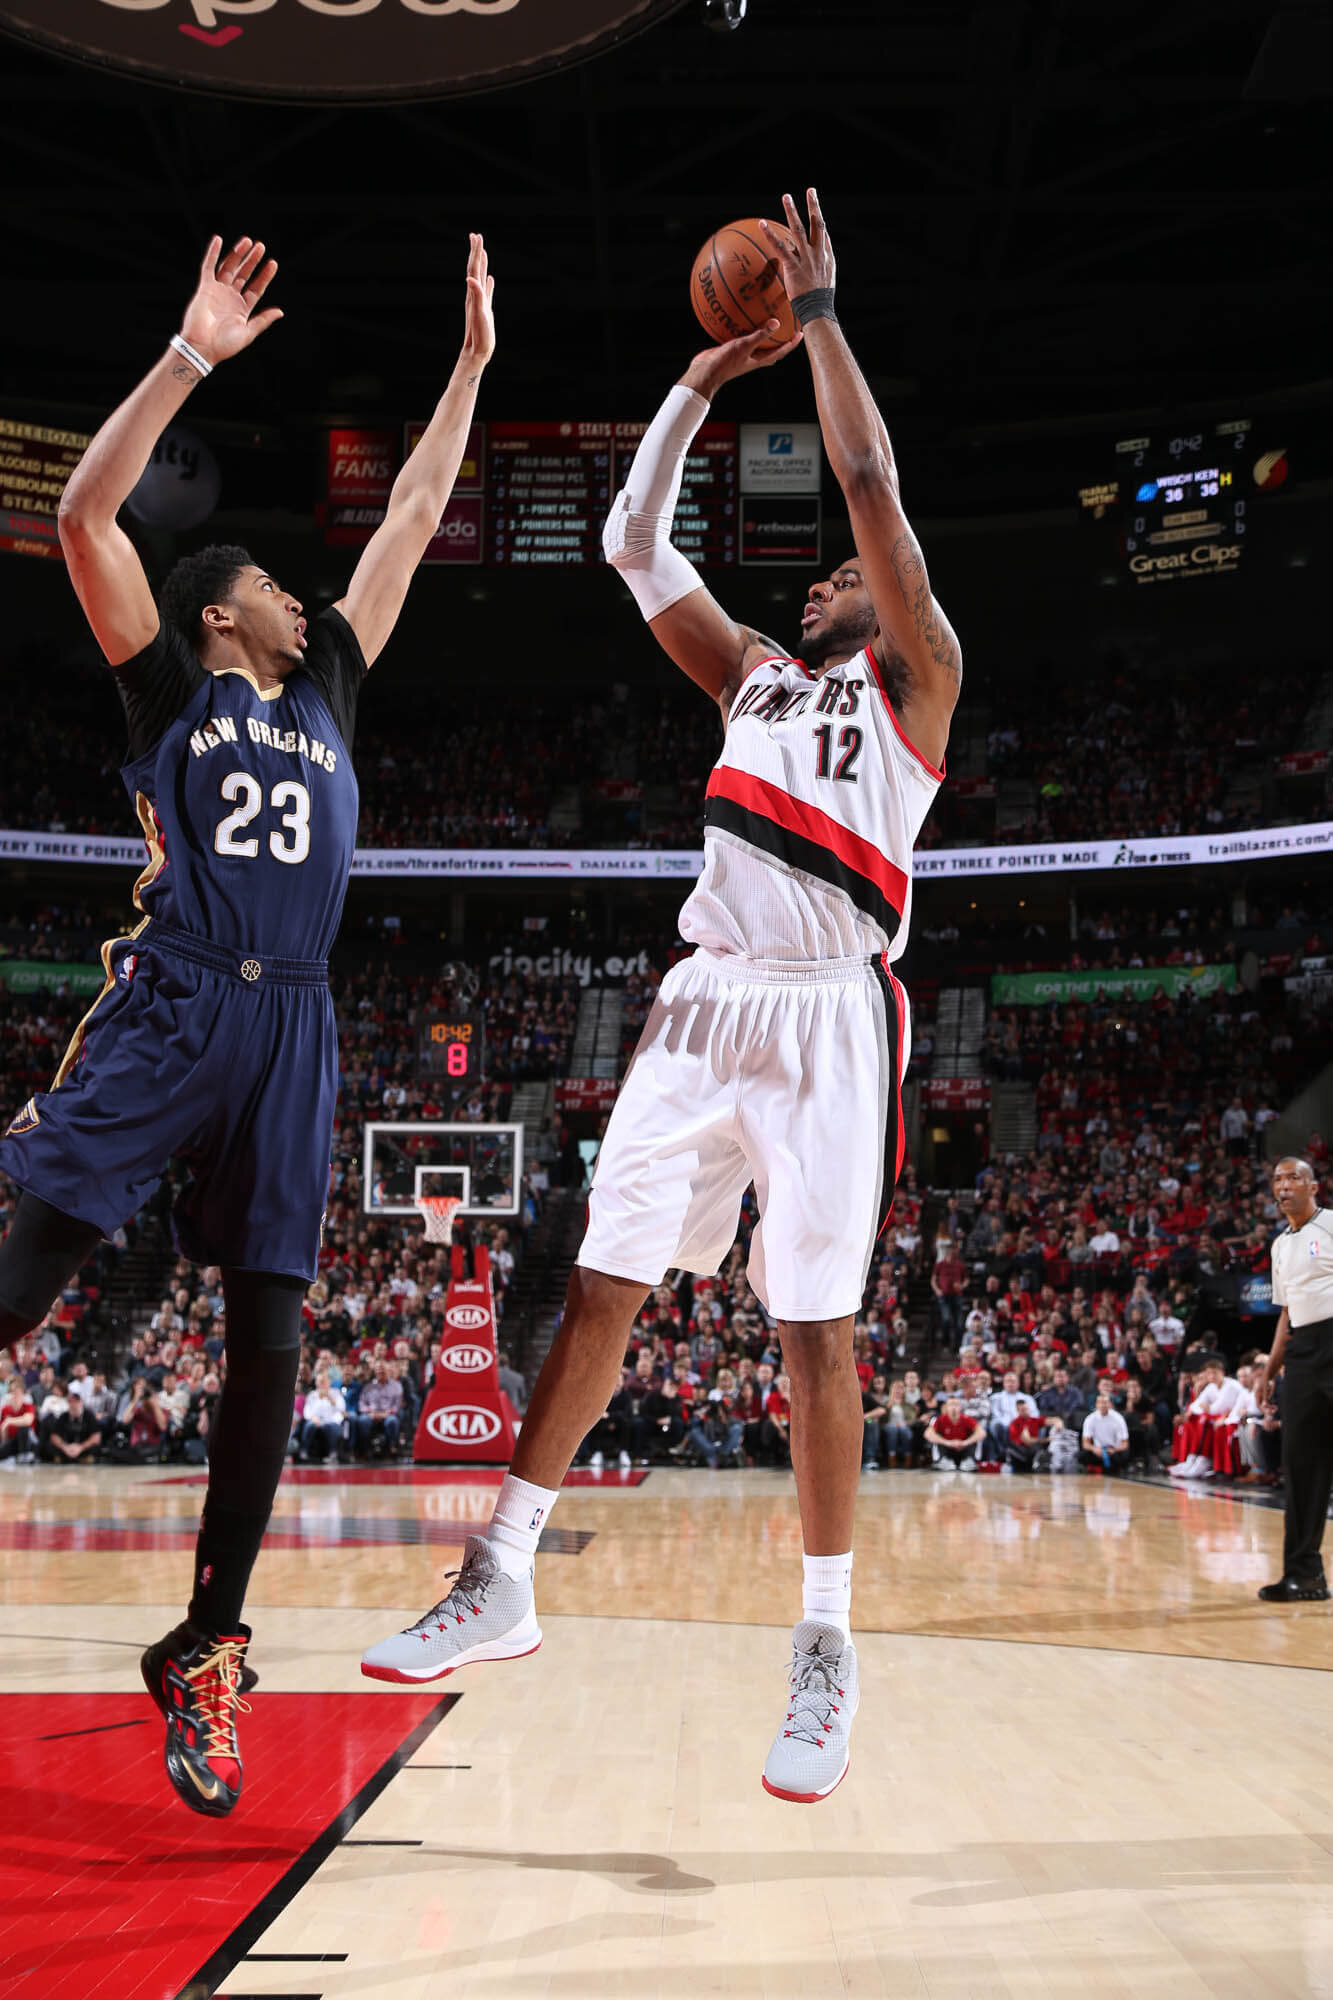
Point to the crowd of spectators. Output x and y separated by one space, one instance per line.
1124 750
373 1329
474 773
1145 1187
1128 750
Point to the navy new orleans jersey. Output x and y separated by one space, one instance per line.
247 800
213 1041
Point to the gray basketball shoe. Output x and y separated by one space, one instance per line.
486 1616
809 1757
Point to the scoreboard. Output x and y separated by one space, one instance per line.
537 494
1182 501
550 485
449 1045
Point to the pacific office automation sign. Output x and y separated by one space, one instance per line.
331 49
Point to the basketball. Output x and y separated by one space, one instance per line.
736 285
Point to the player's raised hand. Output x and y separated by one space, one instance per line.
745 355
221 318
805 256
478 314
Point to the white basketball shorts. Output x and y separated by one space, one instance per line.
785 1074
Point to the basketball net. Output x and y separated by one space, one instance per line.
438 1212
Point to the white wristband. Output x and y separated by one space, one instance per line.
191 354
637 537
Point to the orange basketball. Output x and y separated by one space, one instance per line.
736 285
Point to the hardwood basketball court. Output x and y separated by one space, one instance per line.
1087 1759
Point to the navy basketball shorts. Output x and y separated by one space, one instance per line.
227 1063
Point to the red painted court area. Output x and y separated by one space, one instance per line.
422 1475
110 1888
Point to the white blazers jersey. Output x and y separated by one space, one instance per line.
811 816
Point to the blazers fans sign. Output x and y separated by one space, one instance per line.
332 48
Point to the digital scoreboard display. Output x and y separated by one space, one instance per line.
450 1046
548 492
539 493
35 462
1183 502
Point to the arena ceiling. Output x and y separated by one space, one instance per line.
1044 210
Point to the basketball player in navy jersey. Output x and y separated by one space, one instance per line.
775 1054
214 1041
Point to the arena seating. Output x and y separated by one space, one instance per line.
1098 753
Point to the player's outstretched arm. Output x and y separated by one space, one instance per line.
913 629
686 619
108 578
421 491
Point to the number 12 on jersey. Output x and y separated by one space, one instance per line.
849 749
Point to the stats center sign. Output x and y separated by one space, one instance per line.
331 49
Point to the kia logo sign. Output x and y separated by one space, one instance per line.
351 49
466 1360
467 1319
463 1423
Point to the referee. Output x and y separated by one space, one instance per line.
1303 1287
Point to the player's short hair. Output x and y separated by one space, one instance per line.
204 578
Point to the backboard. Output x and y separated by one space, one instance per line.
403 1161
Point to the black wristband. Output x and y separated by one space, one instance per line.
817 304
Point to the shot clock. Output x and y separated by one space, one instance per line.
449 1046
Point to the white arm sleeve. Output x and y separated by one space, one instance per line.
637 537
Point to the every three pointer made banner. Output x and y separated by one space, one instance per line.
480 864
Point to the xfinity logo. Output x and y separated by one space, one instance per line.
466 1360
467 1319
332 49
464 1423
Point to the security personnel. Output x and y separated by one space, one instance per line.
1303 1349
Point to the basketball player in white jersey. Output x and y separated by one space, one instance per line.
776 1052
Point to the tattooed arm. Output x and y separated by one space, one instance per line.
915 643
710 646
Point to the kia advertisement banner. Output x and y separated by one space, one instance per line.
466 1418
346 50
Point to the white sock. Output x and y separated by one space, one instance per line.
521 1512
826 1590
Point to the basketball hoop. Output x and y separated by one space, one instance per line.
438 1212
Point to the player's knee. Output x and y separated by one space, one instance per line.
19 1317
600 1301
813 1348
263 1313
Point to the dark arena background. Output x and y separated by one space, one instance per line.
1083 258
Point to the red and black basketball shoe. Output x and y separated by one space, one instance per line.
196 1679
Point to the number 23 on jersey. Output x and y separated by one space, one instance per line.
289 841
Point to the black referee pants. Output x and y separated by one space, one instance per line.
1307 1445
